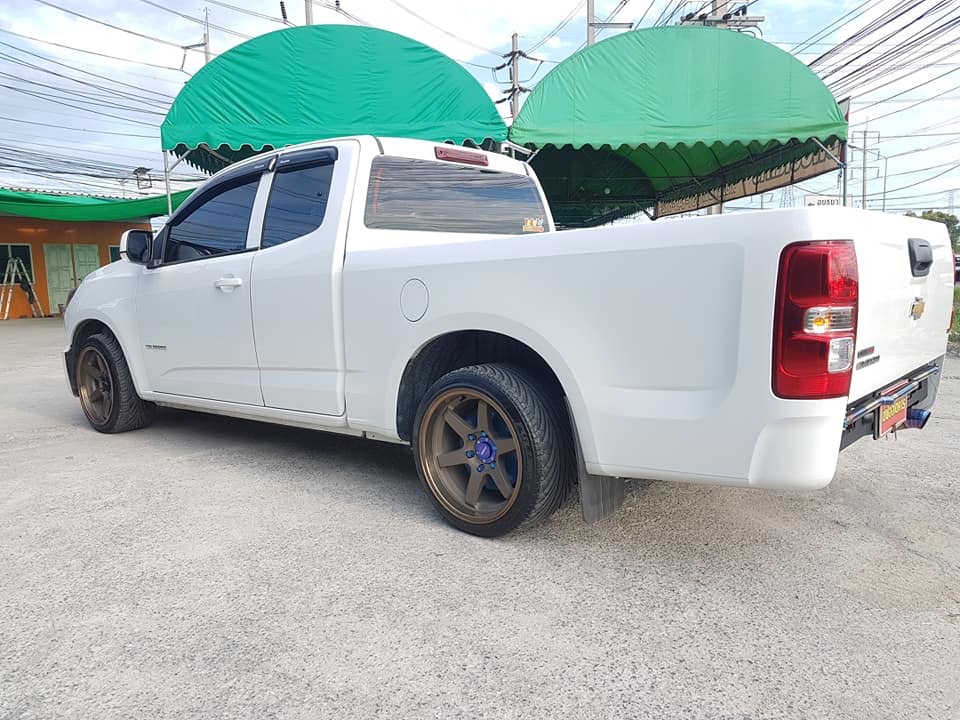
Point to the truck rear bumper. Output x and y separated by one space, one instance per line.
921 391
796 448
790 453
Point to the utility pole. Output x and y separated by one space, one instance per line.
593 25
308 11
863 180
206 35
591 19
846 174
205 43
515 75
885 159
513 62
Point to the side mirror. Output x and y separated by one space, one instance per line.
135 246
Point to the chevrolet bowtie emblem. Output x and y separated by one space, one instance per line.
917 308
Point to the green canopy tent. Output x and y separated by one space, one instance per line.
84 208
675 119
322 81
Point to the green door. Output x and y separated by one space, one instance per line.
86 259
59 261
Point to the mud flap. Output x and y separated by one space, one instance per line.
600 496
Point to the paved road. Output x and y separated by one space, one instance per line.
216 568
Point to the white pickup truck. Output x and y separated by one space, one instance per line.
418 293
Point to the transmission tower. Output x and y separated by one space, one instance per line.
786 197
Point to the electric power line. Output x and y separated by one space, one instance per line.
918 182
612 16
360 21
193 19
664 17
915 87
60 101
443 30
245 11
110 25
646 12
91 52
559 26
120 93
910 107
863 32
879 65
77 129
88 97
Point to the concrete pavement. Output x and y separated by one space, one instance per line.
216 568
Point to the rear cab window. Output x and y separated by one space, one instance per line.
435 196
297 204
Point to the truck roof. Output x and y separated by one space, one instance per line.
404 147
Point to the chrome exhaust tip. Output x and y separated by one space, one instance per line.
917 419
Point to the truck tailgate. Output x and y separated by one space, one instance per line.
904 308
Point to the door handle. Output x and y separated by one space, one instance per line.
227 284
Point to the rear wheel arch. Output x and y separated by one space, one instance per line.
464 348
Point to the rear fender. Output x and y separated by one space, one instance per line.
512 329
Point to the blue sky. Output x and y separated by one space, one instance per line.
472 32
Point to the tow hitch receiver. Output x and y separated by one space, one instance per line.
890 408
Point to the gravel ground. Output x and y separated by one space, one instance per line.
217 568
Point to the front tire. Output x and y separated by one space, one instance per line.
492 450
107 393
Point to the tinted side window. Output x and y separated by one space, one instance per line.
218 225
424 195
297 204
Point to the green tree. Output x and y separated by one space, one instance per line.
951 221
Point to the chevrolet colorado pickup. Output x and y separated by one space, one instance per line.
419 293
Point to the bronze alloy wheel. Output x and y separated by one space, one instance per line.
95 385
469 455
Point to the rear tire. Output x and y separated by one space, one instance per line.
107 393
492 450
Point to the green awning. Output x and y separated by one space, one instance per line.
660 114
84 208
324 81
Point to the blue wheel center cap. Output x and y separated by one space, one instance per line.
486 450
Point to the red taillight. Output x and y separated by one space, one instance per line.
815 321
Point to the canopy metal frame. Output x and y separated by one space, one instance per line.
167 169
